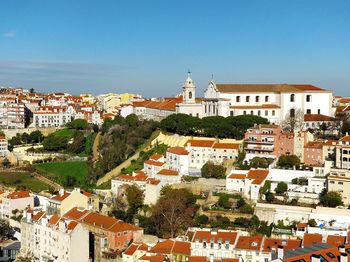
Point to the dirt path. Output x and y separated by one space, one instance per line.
52 184
95 147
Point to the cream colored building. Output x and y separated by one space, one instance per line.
65 201
53 238
339 181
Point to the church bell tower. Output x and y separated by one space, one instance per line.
189 90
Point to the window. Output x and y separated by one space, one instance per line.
257 99
319 111
247 99
266 98
292 98
238 99
308 98
308 111
273 112
252 112
244 112
266 113
292 112
259 113
231 113
190 95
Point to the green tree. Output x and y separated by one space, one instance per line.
202 220
288 161
269 197
211 170
331 198
77 124
55 143
25 138
281 188
312 223
36 136
5 229
224 201
78 144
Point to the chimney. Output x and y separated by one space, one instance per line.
343 257
61 192
315 258
341 249
280 252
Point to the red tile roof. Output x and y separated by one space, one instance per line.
18 194
153 163
335 240
249 242
59 197
226 146
345 138
75 213
201 143
238 176
257 175
178 150
318 118
156 156
311 239
273 243
168 172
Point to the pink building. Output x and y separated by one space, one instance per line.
262 140
286 144
313 153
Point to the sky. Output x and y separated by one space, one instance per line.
146 47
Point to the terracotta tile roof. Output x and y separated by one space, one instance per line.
345 138
335 240
249 242
122 226
311 239
72 225
331 142
54 219
76 214
257 175
318 118
163 247
38 215
18 194
264 106
266 88
197 259
156 156
301 225
181 247
207 236
307 256
97 220
152 258
201 143
237 176
226 146
134 247
152 181
168 172
177 150
153 163
273 243
59 197
314 144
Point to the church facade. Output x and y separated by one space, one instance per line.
272 101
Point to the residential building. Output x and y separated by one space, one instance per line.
313 153
262 141
177 159
3 146
65 201
343 153
247 183
15 201
339 180
53 238
248 247
175 250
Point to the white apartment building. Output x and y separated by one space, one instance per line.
177 159
339 180
248 183
3 146
343 153
15 200
53 116
13 113
53 238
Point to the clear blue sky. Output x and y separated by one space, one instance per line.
147 46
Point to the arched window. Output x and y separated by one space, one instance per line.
292 98
190 95
292 112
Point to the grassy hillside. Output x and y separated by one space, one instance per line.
22 181
60 171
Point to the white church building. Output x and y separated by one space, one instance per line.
271 101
